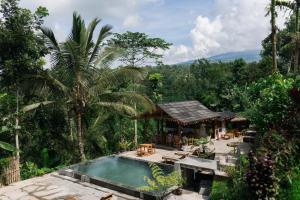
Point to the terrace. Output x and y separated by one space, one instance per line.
112 176
57 186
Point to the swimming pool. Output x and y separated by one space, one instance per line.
117 173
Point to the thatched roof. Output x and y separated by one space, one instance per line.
239 119
188 112
227 115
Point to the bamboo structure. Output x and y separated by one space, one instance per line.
10 173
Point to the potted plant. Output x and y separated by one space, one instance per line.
203 152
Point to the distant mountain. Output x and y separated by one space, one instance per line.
248 56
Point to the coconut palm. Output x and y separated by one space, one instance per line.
81 74
273 13
294 7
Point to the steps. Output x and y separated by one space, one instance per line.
205 187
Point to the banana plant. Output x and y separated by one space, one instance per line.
4 145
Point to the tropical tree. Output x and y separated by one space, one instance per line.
138 48
21 51
81 73
294 7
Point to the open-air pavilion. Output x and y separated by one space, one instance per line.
187 118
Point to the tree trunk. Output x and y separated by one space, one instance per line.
17 128
135 130
296 66
69 121
79 136
274 40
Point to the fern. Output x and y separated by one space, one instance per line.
161 181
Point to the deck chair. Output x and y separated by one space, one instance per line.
172 158
191 141
182 153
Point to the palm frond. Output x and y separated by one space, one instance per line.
6 146
129 98
109 77
104 33
118 107
51 82
36 105
77 28
90 32
51 40
283 4
107 57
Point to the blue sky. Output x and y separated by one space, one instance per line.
197 28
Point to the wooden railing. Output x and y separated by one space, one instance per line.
10 173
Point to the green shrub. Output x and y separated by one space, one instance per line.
219 190
30 169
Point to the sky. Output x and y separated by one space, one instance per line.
196 28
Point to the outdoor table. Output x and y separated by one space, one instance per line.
234 145
144 148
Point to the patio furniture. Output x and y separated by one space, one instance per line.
177 142
190 141
234 145
145 149
172 158
230 134
152 149
237 134
182 153
225 137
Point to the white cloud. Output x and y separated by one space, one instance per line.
178 54
237 25
230 25
206 35
109 10
132 21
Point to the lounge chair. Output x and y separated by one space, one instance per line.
172 158
191 141
182 153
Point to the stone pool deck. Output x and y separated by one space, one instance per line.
220 148
55 187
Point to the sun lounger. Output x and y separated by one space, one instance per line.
182 153
172 157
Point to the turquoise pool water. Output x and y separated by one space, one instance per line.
119 170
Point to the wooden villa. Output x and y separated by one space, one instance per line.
187 118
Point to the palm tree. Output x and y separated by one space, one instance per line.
273 34
82 75
294 7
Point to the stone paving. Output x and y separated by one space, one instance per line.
52 187
55 187
220 148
